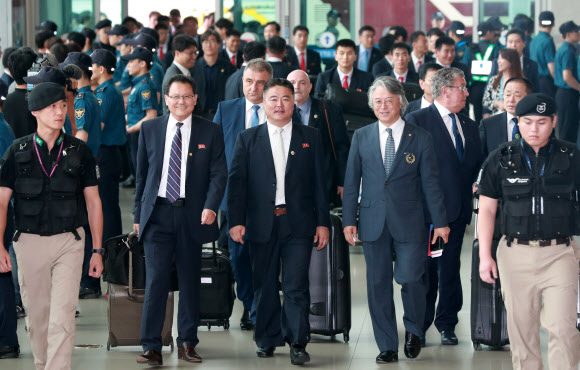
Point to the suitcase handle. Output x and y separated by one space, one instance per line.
134 297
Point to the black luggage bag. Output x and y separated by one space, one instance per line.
217 293
488 313
329 275
355 107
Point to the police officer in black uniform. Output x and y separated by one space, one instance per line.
536 178
53 178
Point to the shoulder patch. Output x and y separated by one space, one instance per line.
81 95
146 94
79 113
144 81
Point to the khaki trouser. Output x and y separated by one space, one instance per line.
531 276
49 271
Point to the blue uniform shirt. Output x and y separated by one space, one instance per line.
143 96
67 125
565 59
88 117
110 99
119 69
542 51
6 135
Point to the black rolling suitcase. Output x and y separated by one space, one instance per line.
488 314
329 274
217 293
355 107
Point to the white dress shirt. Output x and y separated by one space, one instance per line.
298 52
183 70
250 113
286 137
390 61
169 134
444 112
416 61
397 127
424 102
341 76
230 55
510 126
404 75
273 59
441 64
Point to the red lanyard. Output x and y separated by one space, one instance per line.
40 160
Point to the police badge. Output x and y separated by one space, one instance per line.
146 94
79 113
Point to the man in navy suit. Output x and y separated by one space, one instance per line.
181 179
385 65
277 204
232 50
419 56
426 72
234 116
276 50
234 86
307 59
400 55
367 54
503 127
458 152
445 55
398 168
345 74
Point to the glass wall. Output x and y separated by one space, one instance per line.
69 15
18 22
112 9
250 16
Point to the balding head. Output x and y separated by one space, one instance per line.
302 86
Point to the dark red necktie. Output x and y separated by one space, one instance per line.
161 53
401 79
345 82
234 60
302 63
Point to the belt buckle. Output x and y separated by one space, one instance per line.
534 243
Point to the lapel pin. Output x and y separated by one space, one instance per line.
410 134
190 154
315 116
222 71
292 153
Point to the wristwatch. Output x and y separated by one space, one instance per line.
100 251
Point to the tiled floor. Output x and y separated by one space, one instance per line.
235 349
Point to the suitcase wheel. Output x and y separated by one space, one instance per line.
108 345
346 337
476 346
227 325
208 326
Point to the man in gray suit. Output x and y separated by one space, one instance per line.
185 53
398 168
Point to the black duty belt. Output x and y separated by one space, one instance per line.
539 243
166 202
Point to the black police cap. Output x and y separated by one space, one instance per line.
139 53
3 90
88 33
536 105
81 60
143 40
437 15
44 95
118 30
105 58
47 25
103 23
47 74
126 38
546 18
569 26
77 37
457 27
150 32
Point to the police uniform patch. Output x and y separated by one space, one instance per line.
79 113
146 94
81 95
541 108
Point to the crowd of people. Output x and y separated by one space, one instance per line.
237 141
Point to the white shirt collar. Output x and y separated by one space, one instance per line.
442 110
509 117
397 126
272 129
341 75
444 65
522 61
172 121
404 75
273 59
299 51
183 70
424 102
388 60
230 54
415 59
249 105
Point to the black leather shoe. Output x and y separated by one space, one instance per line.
151 358
423 341
265 351
245 322
187 352
386 357
88 293
412 345
20 313
298 355
9 351
448 338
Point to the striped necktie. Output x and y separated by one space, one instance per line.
174 173
389 152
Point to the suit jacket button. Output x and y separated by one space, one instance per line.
386 183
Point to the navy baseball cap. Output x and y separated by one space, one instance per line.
118 30
546 18
139 53
47 74
3 90
495 24
81 60
536 105
457 27
47 25
44 95
150 32
143 40
102 24
105 58
126 38
569 26
88 33
437 15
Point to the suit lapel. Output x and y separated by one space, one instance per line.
193 141
375 144
160 139
265 147
443 131
403 144
336 77
316 116
241 114
294 146
503 125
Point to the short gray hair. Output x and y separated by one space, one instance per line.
393 86
259 65
444 77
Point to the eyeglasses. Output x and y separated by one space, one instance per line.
462 88
179 97
380 103
191 53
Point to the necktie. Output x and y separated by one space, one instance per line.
279 162
345 82
255 118
401 79
296 117
161 52
364 63
389 152
234 60
458 141
516 130
302 62
420 63
174 173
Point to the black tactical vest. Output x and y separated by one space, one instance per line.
538 207
48 206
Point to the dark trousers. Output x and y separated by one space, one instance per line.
546 86
568 114
409 273
476 98
443 277
275 323
109 160
8 318
133 146
242 267
167 240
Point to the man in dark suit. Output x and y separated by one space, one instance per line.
185 53
367 54
181 179
273 29
6 76
307 59
327 118
419 56
515 40
277 204
211 73
458 152
232 50
234 85
344 74
445 55
234 116
391 152
426 72
276 50
385 65
400 55
503 127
